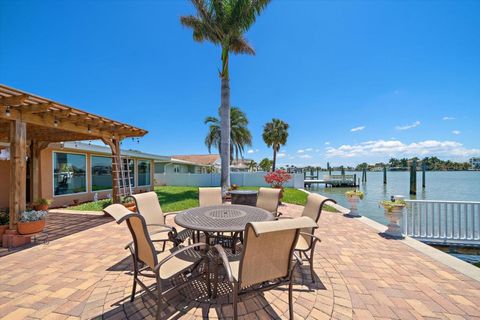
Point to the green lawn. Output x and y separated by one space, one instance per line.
181 198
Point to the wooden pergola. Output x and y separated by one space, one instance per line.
29 123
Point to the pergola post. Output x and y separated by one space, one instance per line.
18 170
114 145
35 177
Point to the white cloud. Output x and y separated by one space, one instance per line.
357 129
309 149
327 143
448 118
409 126
305 156
252 151
281 155
301 151
396 148
456 132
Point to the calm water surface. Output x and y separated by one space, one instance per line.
440 185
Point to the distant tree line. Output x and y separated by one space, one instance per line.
432 164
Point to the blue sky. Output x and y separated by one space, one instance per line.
356 81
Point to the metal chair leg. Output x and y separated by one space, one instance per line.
134 288
235 298
311 264
290 299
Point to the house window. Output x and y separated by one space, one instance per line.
69 173
130 166
144 172
176 168
101 173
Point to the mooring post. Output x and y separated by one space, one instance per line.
413 177
354 179
424 168
384 174
329 169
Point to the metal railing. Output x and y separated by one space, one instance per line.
444 222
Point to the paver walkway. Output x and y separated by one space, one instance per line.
361 275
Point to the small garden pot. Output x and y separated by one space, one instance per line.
30 227
2 231
41 207
130 206
394 215
353 200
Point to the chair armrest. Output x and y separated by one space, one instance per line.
161 225
169 214
315 238
173 254
225 262
130 246
285 217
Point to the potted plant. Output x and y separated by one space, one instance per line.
42 204
4 220
353 197
394 212
31 222
277 179
129 204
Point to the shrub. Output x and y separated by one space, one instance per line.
32 215
277 178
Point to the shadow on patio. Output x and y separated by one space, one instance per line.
62 224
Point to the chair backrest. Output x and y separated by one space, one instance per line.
313 210
148 206
268 199
143 246
117 211
268 250
210 196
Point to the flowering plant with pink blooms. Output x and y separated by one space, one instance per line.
277 178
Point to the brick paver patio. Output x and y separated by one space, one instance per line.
360 275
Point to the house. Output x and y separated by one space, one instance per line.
36 165
189 164
213 162
475 163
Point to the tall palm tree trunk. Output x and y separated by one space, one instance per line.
225 125
274 158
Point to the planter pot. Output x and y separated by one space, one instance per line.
30 227
2 231
393 228
130 206
41 207
353 200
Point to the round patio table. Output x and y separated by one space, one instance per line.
223 218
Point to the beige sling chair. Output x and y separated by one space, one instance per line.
148 206
307 240
147 262
210 197
266 260
268 199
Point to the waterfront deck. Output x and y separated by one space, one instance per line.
348 180
85 275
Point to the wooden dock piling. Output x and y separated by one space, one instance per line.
424 168
413 177
384 175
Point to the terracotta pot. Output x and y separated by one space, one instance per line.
2 231
41 207
31 227
130 206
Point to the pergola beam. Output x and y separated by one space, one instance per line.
13 100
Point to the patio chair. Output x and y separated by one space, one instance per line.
117 211
307 240
266 260
210 196
268 199
147 262
149 207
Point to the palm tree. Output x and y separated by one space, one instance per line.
252 166
275 134
224 23
240 136
265 164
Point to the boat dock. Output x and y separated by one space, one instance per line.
335 180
